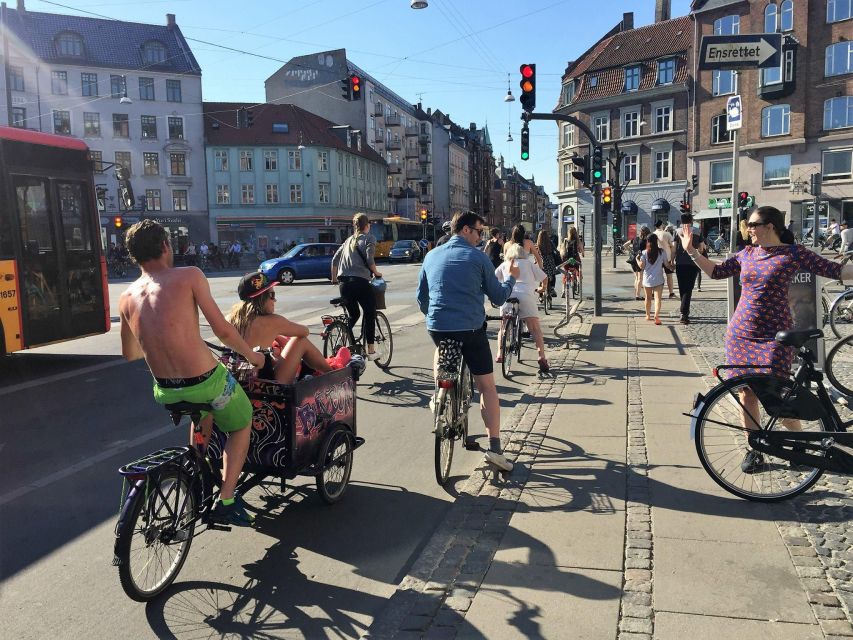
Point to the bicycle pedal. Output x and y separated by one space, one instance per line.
472 445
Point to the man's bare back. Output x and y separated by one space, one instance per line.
161 311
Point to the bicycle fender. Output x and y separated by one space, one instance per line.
128 502
698 402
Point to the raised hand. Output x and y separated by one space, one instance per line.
686 237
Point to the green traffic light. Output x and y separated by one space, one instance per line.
596 175
525 155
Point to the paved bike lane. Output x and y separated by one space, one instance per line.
610 528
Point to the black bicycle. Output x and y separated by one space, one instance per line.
337 334
455 390
743 447
511 337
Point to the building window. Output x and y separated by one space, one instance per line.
118 86
666 71
786 12
662 165
568 138
838 113
91 124
323 161
272 194
89 84
146 88
220 160
773 75
121 125
837 164
721 175
771 15
663 119
723 83
59 83
154 53
16 78
631 168
176 128
223 194
247 194
151 163
839 58
631 124
179 200
271 160
19 117
632 78
123 159
601 126
592 81
69 44
149 127
776 120
62 122
838 10
246 163
152 200
325 189
727 26
97 161
567 176
178 164
296 193
294 161
173 91
777 170
720 129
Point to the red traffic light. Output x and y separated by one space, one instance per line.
606 195
526 71
117 222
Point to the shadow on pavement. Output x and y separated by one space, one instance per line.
23 367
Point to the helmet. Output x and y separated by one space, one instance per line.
445 226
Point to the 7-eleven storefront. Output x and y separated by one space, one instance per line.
263 233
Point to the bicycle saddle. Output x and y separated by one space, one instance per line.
512 300
798 338
336 301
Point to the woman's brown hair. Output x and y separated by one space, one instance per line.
543 241
652 249
359 222
244 312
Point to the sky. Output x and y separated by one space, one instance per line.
454 55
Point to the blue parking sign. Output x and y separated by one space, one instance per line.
734 113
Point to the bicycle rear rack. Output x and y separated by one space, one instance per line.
142 467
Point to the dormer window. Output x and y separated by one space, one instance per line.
154 52
593 81
632 78
70 45
666 71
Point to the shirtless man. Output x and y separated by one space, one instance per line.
159 322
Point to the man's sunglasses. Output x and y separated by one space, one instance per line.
479 231
753 225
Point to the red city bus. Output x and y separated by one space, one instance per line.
53 275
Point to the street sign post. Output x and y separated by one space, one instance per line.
762 50
734 113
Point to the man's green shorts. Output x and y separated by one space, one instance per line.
230 406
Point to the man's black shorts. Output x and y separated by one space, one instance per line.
475 348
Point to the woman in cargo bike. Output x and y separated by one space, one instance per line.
256 321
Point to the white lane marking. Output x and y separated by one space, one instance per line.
394 308
409 321
61 376
106 454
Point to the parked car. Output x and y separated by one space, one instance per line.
405 251
302 262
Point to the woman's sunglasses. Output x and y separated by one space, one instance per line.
753 225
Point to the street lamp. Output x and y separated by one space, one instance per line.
124 98
508 97
419 4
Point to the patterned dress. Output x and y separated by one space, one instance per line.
763 310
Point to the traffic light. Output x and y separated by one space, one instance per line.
525 143
345 91
743 199
684 207
250 118
815 184
582 173
597 165
355 87
694 182
606 197
117 221
423 215
528 87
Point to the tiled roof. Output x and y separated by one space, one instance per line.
709 5
316 131
106 43
611 82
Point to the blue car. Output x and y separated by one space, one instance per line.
302 262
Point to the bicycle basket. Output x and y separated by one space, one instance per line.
449 358
802 404
238 367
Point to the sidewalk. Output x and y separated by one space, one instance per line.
609 527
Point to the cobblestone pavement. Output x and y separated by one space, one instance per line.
817 526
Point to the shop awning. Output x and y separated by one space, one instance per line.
629 207
708 214
661 204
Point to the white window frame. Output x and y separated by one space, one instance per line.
660 67
845 104
629 72
270 160
271 193
322 161
601 125
719 123
661 158
830 70
836 176
324 192
786 8
771 182
223 194
720 186
731 86
567 138
767 118
220 159
153 200
567 176
294 160
175 201
833 10
247 160
296 193
631 167
656 107
623 119
247 193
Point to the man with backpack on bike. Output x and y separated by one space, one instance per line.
159 322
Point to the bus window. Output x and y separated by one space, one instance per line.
40 268
74 224
7 245
82 265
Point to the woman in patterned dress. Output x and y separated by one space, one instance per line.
765 268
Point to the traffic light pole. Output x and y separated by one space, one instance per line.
596 198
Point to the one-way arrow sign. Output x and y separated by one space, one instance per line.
762 50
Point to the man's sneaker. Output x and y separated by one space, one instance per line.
752 462
234 514
358 365
498 460
432 399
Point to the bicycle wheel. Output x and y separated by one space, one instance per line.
721 440
466 394
155 536
507 347
519 337
444 440
841 315
337 335
384 341
839 366
337 465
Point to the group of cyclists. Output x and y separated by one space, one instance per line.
159 322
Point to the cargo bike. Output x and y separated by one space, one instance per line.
304 429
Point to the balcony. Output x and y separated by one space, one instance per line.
377 111
426 198
392 120
424 177
391 145
424 158
411 152
395 167
423 138
412 130
413 174
378 137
